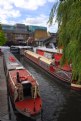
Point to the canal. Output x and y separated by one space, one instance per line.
59 102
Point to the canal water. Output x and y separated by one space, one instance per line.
59 102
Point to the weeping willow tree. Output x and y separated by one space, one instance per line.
69 33
2 37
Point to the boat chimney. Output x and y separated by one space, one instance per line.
18 79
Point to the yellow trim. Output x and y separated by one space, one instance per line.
42 58
47 61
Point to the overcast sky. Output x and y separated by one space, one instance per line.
29 12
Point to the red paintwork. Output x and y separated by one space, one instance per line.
52 68
57 56
40 52
29 105
23 74
66 68
12 59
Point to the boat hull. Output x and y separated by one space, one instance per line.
76 87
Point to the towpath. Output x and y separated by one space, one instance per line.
3 94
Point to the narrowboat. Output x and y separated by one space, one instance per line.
23 87
4 48
75 86
47 52
19 49
52 66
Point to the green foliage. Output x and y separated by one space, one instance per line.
2 37
69 32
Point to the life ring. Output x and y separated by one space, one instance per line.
23 78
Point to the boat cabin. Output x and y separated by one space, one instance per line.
23 86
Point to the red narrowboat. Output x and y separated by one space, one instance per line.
52 66
23 87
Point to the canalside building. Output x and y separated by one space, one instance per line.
16 33
21 33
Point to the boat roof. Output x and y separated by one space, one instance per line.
47 49
32 54
11 61
25 74
22 47
42 58
4 48
47 61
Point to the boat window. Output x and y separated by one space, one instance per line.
27 89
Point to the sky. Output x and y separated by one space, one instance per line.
28 12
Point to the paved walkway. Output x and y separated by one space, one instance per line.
3 94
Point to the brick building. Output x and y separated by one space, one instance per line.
28 34
16 33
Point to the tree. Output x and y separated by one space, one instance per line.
2 37
69 32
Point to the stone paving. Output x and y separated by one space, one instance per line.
3 94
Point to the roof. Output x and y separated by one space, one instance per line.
11 61
32 54
46 40
47 61
22 47
42 58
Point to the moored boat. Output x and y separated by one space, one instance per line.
76 87
47 52
23 88
52 66
19 49
4 48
